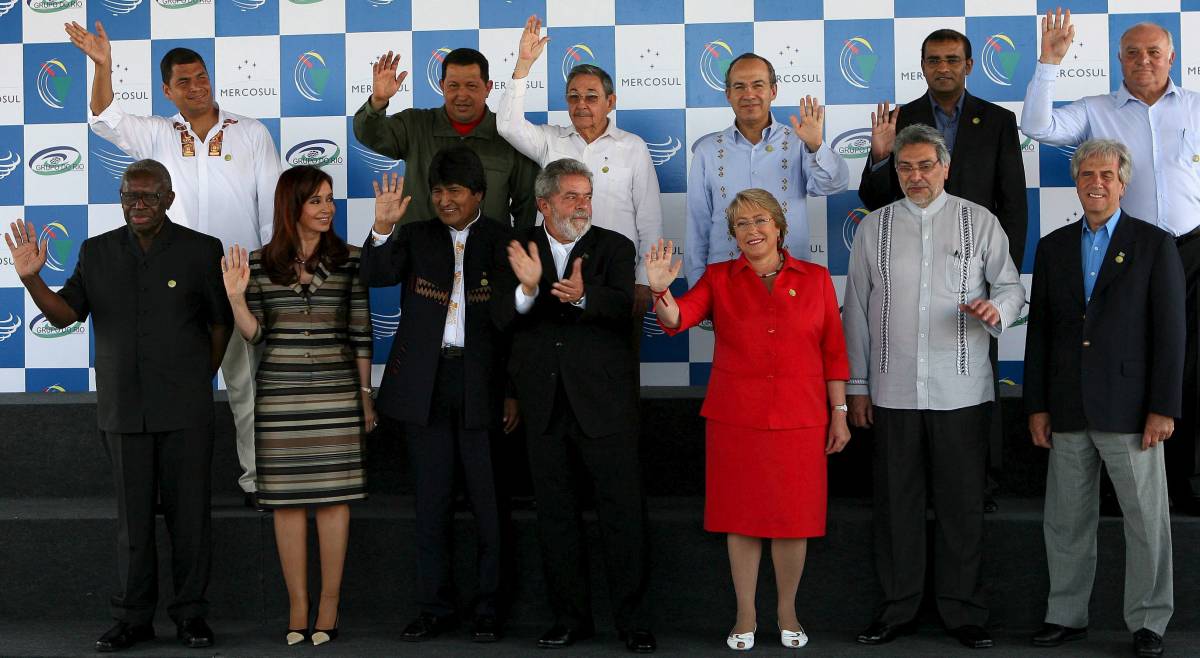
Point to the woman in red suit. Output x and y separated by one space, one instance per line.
776 400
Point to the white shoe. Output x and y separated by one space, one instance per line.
793 639
741 641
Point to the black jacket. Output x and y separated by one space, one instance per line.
1106 364
590 349
985 166
420 256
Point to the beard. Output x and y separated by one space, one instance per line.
568 227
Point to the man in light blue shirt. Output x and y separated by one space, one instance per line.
791 163
1092 250
1160 124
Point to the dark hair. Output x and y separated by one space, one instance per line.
151 168
465 57
457 165
948 35
295 187
591 69
178 56
770 68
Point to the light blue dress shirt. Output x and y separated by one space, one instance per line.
1093 248
725 163
1164 140
947 125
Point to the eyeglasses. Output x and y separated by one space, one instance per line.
923 167
150 199
934 60
757 222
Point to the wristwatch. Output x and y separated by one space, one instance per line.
844 408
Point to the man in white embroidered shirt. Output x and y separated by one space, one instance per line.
625 196
224 167
918 321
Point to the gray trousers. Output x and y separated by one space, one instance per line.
1071 516
237 369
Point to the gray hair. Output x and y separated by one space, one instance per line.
592 69
151 168
1107 149
546 183
919 133
1170 38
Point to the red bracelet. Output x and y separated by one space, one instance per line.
659 297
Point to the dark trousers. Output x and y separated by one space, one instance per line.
175 466
611 463
948 449
1181 451
436 450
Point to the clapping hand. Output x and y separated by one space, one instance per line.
95 46
527 266
531 47
661 271
28 255
385 82
1057 35
810 127
390 202
570 289
235 270
883 131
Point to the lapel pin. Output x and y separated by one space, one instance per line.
171 283
604 169
1196 158
792 292
228 157
483 282
1120 257
975 121
770 148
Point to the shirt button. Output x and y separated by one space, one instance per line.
923 308
770 376
771 331
305 332
306 354
558 343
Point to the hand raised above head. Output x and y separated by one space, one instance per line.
810 126
95 46
27 253
1057 35
532 41
390 202
385 81
661 269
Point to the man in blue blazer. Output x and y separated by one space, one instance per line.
1103 383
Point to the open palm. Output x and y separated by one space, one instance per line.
95 46
28 255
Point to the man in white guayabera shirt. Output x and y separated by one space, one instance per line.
918 323
625 193
224 168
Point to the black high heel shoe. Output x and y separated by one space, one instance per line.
297 635
320 637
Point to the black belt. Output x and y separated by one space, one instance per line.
452 352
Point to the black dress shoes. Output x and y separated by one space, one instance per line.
427 626
560 637
972 637
882 633
639 641
486 628
123 636
193 632
1052 635
1147 643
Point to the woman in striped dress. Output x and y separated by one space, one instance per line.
301 295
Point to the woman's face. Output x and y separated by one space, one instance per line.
316 213
755 231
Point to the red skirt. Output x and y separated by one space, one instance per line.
765 483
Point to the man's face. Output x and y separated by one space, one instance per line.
946 67
189 89
921 175
1145 60
587 103
568 211
144 203
750 91
465 92
1099 187
455 204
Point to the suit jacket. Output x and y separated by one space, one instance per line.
420 255
1107 363
985 166
589 349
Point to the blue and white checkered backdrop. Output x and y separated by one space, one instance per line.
304 67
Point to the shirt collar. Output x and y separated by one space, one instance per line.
568 246
217 127
768 132
608 130
937 109
789 263
933 207
1123 95
454 232
1109 227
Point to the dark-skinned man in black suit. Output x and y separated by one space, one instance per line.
1104 384
983 140
573 366
444 378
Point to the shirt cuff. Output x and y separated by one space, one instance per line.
857 387
523 301
876 166
998 328
379 238
370 109
111 116
582 303
1046 71
825 157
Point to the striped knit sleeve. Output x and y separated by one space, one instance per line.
359 328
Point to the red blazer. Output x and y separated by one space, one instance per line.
774 351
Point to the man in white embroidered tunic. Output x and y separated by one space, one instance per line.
918 321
